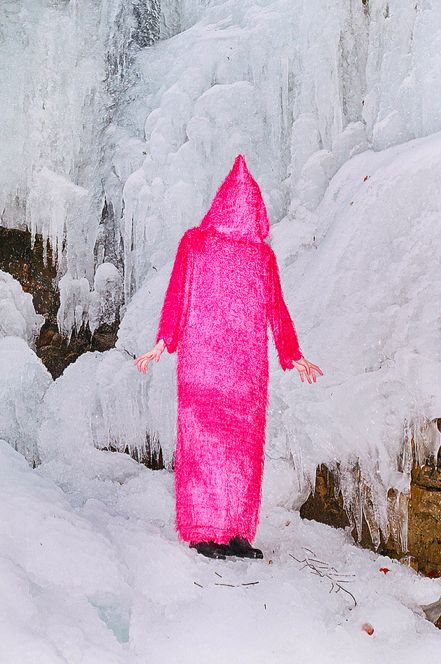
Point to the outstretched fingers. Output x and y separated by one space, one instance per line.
307 369
142 362
316 368
304 372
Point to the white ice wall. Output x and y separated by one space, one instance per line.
364 300
296 86
64 66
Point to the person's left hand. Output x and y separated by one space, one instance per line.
306 368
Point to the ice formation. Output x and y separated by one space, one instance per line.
17 313
23 377
162 120
99 401
71 64
23 384
363 296
119 123
113 163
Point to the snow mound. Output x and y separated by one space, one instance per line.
100 401
17 313
23 384
60 578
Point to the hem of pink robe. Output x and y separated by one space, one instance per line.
208 533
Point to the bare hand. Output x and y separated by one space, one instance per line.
306 368
142 362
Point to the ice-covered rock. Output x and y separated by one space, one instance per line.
101 400
17 313
23 384
362 300
71 64
106 297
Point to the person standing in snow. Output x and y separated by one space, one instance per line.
224 290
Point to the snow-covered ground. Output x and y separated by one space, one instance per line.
94 574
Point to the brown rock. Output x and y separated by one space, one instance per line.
324 505
27 265
424 531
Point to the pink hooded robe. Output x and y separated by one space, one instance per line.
223 292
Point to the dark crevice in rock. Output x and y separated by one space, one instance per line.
56 352
150 456
38 276
26 264
147 14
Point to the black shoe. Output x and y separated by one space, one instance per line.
210 549
239 546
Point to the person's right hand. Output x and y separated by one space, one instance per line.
142 362
304 367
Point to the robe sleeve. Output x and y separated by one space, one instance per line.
176 296
282 326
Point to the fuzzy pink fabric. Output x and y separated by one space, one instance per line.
223 292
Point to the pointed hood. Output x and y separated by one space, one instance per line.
238 209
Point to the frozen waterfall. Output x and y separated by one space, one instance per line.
119 123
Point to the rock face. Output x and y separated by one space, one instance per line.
424 532
325 504
57 353
423 509
39 277
151 456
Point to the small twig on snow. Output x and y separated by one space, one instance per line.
230 585
325 571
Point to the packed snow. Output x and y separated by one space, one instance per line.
95 574
23 377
